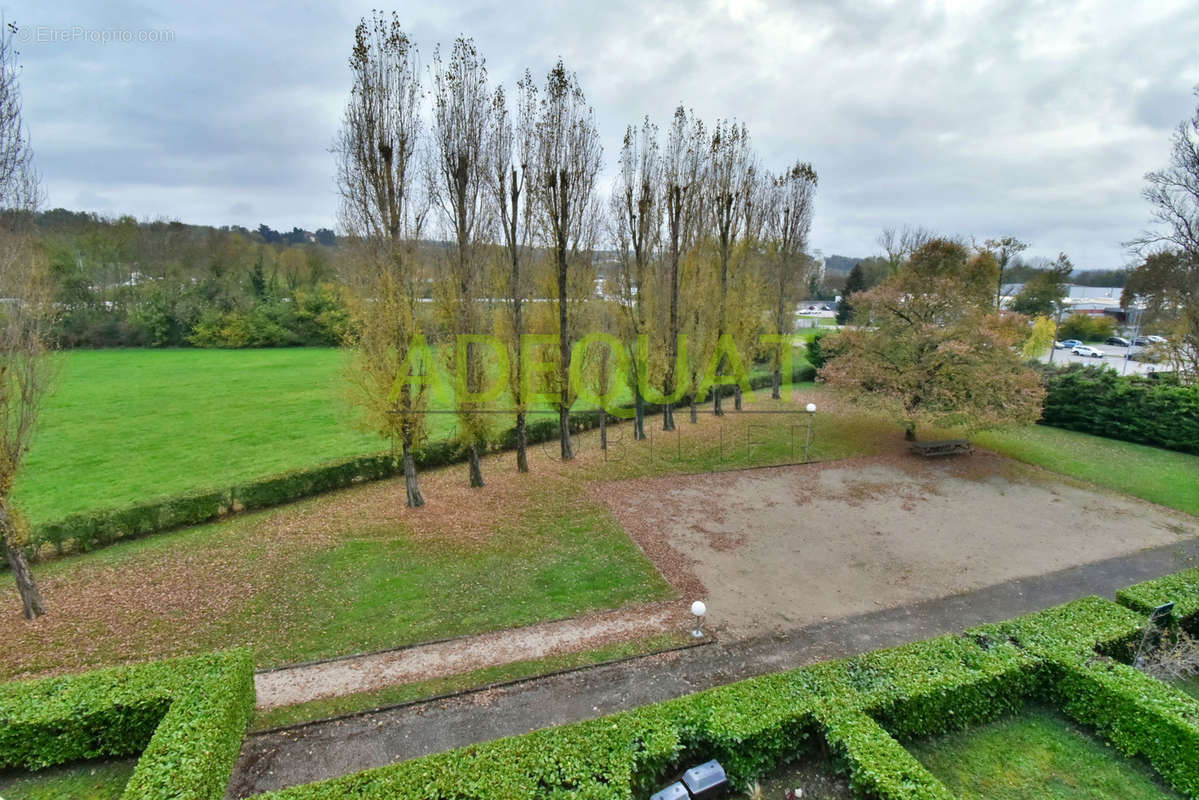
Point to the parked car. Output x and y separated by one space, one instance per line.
1118 341
1070 344
1083 350
1156 339
1059 345
1141 341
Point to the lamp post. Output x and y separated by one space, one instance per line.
698 609
811 409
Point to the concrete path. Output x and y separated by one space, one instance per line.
339 747
338 677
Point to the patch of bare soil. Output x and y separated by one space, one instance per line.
292 685
776 548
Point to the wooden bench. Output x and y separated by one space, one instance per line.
945 447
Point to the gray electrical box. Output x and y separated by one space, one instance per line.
675 791
706 781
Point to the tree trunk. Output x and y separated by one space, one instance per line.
776 385
31 598
717 406
476 469
668 417
638 414
522 443
411 486
694 410
568 451
737 396
603 426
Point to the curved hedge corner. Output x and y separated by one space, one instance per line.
186 717
89 530
864 708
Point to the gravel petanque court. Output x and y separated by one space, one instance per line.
777 548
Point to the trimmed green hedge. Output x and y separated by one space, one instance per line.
1096 400
862 707
1139 714
186 717
89 530
1181 588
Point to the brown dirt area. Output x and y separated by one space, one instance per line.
775 548
300 684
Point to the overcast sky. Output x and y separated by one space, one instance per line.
1023 118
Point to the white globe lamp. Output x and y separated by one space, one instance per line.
698 609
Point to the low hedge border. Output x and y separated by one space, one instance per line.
1140 715
188 716
88 530
185 716
862 707
1181 588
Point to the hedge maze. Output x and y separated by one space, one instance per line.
187 717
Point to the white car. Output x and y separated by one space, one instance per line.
1156 339
1083 350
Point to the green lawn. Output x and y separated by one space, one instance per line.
1036 755
1159 476
372 593
124 426
351 571
129 425
90 780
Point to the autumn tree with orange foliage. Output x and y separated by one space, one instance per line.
930 350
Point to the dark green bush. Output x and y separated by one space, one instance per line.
818 352
1087 327
186 717
1094 400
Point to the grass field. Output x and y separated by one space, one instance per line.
90 780
355 571
1150 473
124 426
1037 755
129 425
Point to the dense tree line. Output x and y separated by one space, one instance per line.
121 282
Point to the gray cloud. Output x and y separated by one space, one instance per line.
1017 117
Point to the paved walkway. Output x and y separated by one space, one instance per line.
340 747
342 676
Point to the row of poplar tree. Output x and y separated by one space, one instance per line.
709 246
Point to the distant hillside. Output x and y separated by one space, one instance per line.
840 265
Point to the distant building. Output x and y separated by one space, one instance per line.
1079 299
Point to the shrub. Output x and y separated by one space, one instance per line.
186 717
1181 588
1131 408
1087 327
818 352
